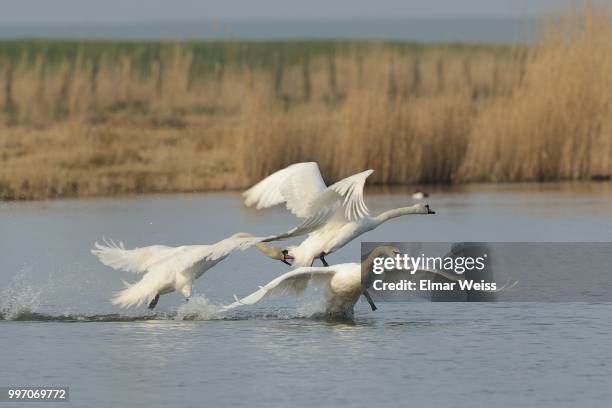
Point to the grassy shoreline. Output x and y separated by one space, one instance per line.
98 118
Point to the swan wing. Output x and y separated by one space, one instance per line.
137 260
141 260
208 255
341 201
294 282
348 194
296 186
187 256
223 248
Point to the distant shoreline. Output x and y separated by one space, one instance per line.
531 187
495 30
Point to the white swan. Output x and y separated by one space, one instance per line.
343 283
167 269
333 216
419 195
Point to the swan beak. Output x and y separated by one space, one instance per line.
286 257
429 210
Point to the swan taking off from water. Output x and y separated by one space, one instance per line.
342 283
167 269
333 216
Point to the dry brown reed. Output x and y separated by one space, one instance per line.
435 114
557 124
438 118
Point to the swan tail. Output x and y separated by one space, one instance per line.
136 294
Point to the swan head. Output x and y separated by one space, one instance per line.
386 250
419 195
273 252
383 251
269 250
286 257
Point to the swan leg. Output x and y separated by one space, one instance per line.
153 303
369 299
322 258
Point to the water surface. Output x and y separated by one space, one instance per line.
60 328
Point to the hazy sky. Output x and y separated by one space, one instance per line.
54 11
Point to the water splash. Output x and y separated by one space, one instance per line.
19 299
311 308
20 302
198 308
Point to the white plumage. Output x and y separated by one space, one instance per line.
332 216
343 283
166 269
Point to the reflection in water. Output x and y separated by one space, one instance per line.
154 320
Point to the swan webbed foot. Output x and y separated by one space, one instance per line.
369 299
322 258
153 303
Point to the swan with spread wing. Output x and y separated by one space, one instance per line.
166 269
343 283
332 216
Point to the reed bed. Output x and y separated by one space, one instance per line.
83 119
537 114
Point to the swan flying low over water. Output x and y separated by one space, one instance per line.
333 216
166 269
343 283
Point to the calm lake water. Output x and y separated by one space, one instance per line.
60 329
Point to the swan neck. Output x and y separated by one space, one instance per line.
398 212
369 261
